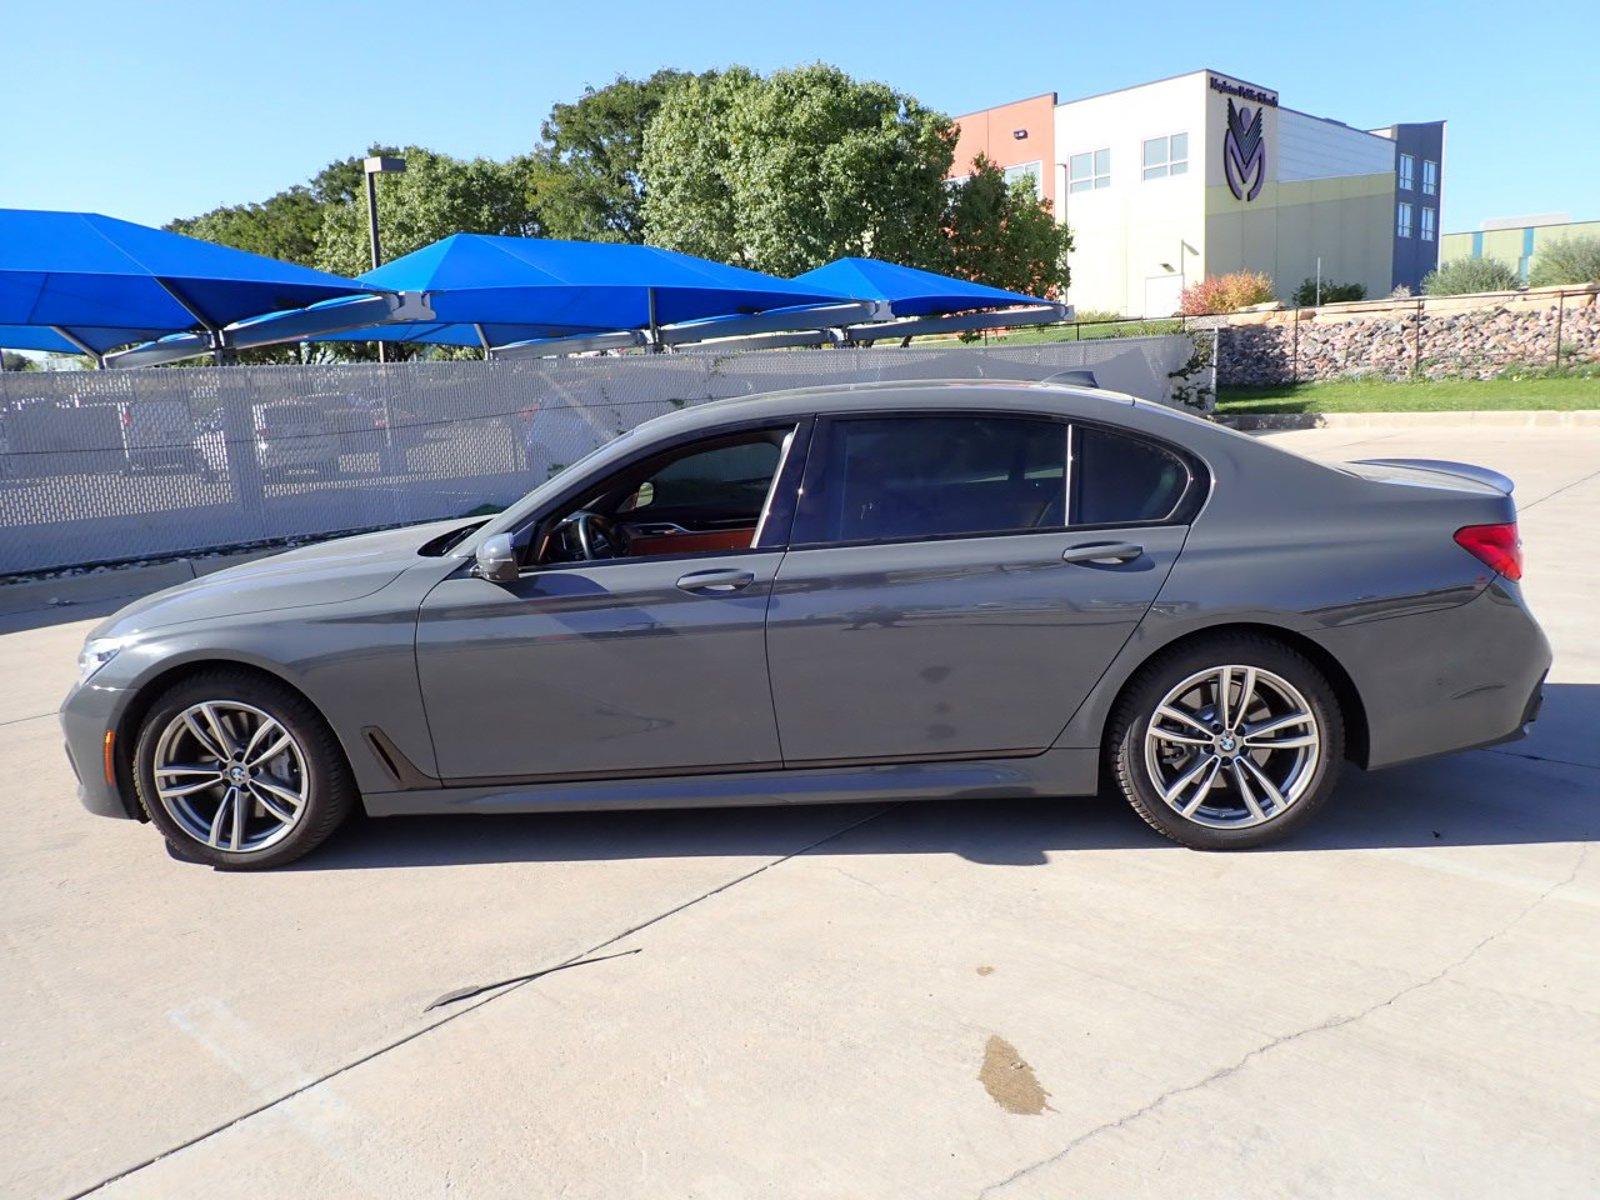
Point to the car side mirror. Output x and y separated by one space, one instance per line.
496 559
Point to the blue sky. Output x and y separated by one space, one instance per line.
153 110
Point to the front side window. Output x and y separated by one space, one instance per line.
1121 480
704 497
1029 171
1408 171
1164 156
1402 220
1430 219
1089 170
894 478
1430 177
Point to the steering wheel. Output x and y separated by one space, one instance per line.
598 535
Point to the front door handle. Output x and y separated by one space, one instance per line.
1102 553
717 581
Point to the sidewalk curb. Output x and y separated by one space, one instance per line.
1537 418
115 583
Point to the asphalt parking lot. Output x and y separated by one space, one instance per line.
951 999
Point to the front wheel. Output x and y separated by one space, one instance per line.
1228 743
241 772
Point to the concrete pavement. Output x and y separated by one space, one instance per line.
1405 1001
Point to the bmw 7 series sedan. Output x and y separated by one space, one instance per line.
864 592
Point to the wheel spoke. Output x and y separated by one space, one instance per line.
273 805
1181 784
1245 793
262 731
1224 685
219 818
186 769
1247 694
1268 788
1289 721
1167 712
277 790
189 789
1180 739
282 743
1204 788
241 811
219 731
204 738
1289 743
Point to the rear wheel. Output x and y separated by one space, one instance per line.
1228 743
241 772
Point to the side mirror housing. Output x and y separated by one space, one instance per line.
496 559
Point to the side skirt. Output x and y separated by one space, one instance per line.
1058 772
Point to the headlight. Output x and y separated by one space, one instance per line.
96 653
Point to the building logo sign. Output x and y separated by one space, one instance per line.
1244 153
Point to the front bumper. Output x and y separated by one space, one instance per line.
88 713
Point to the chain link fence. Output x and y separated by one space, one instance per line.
111 466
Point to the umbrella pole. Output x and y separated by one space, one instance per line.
650 312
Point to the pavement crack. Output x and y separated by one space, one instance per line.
510 986
1332 1023
1544 758
25 720
1522 508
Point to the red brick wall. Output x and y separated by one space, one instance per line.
993 131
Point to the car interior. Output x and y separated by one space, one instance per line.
707 496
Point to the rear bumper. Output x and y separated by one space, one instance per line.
1444 681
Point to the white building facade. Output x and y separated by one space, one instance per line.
1204 174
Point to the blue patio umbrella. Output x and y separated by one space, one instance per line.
515 289
96 282
909 292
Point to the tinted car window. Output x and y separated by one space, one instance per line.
1117 480
914 477
732 480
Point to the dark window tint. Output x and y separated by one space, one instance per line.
914 477
729 480
1117 479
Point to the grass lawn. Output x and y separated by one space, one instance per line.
1444 395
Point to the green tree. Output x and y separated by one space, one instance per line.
1004 235
1463 276
436 196
586 177
790 171
10 360
1569 259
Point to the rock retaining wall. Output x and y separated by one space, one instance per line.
1405 338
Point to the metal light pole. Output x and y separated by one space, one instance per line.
381 164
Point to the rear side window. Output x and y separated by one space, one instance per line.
893 478
1118 480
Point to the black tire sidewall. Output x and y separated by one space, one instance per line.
1155 679
330 792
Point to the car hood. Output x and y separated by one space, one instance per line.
327 573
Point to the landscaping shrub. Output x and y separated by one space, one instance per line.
1226 293
1464 276
1566 260
1332 293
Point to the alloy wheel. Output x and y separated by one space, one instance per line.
1232 746
231 776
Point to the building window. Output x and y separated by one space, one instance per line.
1165 156
1402 220
1032 172
1408 171
1085 171
1430 177
1429 217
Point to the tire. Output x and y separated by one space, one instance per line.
195 816
1229 805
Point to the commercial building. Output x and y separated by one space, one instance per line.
1202 174
1514 240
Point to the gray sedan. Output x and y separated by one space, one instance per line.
874 592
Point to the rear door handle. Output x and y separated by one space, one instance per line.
717 581
1102 552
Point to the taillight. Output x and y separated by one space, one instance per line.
1496 546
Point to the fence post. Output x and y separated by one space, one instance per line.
1416 342
238 425
1561 309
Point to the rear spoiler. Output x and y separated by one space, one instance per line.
1494 479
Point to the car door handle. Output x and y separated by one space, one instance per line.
729 580
1102 552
